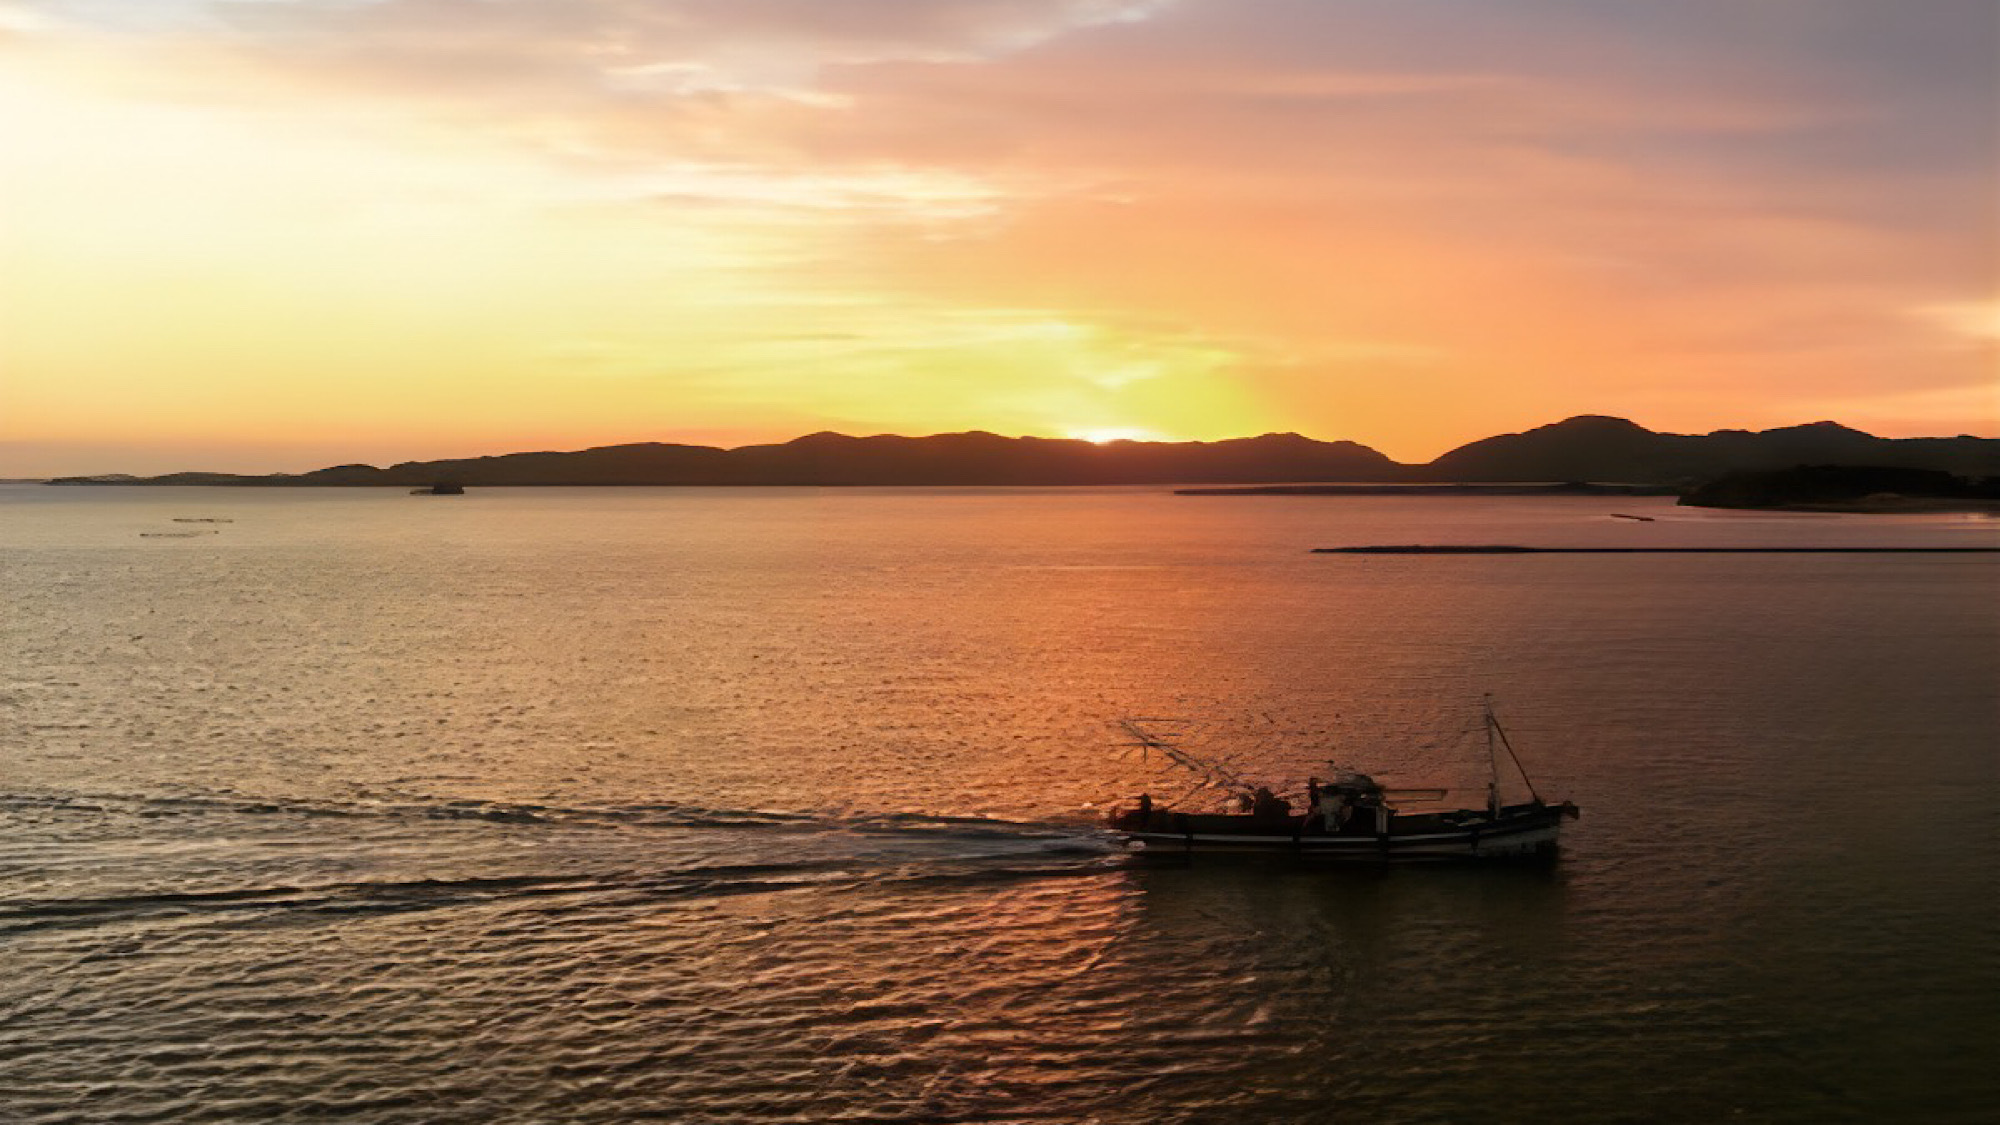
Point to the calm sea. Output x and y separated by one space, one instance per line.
775 806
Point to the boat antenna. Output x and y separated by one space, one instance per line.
1493 727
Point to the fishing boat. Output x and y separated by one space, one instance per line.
1350 816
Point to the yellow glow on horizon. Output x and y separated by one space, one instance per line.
1101 435
181 275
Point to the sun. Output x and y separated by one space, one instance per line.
1102 434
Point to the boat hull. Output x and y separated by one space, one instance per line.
1519 833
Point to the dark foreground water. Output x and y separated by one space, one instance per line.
773 806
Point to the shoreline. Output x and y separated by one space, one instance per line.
1900 506
1502 549
1519 488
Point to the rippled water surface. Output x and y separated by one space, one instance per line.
776 806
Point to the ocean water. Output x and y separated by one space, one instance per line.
777 805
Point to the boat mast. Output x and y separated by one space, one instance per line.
1492 762
1493 727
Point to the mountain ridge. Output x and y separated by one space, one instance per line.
1587 447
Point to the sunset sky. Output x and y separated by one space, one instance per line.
275 234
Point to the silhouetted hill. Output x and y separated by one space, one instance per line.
1586 448
1596 448
835 459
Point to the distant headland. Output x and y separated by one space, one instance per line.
1589 448
1848 488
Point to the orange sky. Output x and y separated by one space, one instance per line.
285 233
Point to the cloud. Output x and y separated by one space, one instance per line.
1977 321
723 44
1468 206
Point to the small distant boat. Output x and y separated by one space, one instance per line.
1350 817
439 490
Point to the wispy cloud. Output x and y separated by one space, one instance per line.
1974 320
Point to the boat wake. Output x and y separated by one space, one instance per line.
261 860
417 807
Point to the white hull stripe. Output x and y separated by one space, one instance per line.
1442 843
